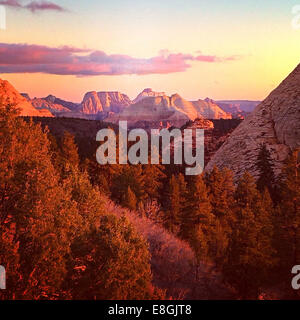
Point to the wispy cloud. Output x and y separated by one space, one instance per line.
25 58
33 6
11 3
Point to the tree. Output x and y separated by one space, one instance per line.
130 200
38 217
287 220
221 190
264 165
51 223
172 206
111 263
132 176
250 256
182 190
196 218
69 149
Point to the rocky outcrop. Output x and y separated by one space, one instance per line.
148 92
199 124
104 102
8 94
210 110
275 122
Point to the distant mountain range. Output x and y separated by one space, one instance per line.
112 106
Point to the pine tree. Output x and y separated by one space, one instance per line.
265 168
69 149
173 205
250 256
246 193
221 190
287 221
153 176
132 176
130 201
182 191
197 210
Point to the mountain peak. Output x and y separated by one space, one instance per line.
148 92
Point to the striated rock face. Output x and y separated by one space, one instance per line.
8 94
104 102
210 110
148 93
274 122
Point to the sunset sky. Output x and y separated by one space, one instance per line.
222 49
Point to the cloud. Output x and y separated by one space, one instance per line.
33 6
43 5
25 58
11 3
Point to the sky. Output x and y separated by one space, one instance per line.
219 49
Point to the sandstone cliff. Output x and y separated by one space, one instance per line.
104 102
210 110
8 94
148 92
274 122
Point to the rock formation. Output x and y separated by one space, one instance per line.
210 110
148 92
104 102
8 94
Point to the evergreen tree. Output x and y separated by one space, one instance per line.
173 205
250 256
182 191
221 190
69 150
197 210
247 195
112 263
287 221
264 165
130 201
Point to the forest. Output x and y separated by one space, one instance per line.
73 229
